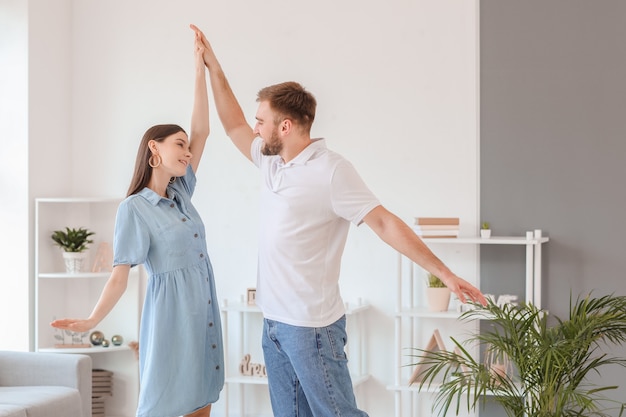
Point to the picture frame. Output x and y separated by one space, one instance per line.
251 296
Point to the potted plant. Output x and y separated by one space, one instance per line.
437 294
485 230
550 358
74 242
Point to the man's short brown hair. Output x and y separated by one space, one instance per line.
292 101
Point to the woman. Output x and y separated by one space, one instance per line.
180 342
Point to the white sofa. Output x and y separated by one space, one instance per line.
34 384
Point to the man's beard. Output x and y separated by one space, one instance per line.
274 146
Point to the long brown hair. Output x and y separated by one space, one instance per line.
143 170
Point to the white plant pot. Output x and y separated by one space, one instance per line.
485 233
74 261
438 299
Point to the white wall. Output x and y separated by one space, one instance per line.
14 219
396 84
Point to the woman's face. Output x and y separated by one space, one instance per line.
174 153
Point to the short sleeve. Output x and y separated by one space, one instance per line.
131 239
351 198
187 183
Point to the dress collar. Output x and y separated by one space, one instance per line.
152 197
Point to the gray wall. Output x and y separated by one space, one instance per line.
553 145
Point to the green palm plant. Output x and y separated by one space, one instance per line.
550 363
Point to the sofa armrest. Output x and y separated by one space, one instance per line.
55 369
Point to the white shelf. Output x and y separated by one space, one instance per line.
414 322
425 313
414 388
254 380
79 275
493 240
243 307
59 294
93 349
74 200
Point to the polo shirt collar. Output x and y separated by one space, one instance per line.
309 152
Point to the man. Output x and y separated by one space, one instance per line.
310 197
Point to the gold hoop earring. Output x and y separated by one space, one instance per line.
152 163
172 180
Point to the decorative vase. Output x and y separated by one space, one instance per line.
498 364
485 233
438 298
74 261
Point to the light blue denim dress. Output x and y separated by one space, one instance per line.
181 357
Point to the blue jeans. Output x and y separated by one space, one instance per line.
307 370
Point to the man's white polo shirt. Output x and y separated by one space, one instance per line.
306 209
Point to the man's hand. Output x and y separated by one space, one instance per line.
464 290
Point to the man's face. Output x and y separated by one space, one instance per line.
267 129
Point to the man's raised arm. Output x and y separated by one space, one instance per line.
228 109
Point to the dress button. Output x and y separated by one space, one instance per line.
209 301
195 235
184 219
172 205
214 346
217 367
202 255
211 324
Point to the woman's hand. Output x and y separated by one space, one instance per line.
198 49
76 325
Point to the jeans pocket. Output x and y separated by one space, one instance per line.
337 339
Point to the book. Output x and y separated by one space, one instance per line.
437 220
437 227
436 233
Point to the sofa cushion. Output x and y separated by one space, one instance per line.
12 411
43 401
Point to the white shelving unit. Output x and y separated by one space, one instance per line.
59 294
242 327
414 324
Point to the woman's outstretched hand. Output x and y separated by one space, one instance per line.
198 47
76 325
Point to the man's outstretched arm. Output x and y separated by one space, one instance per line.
397 234
228 109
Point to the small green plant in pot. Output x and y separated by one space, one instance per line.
437 294
485 230
74 243
435 282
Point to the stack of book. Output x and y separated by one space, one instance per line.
437 227
102 387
